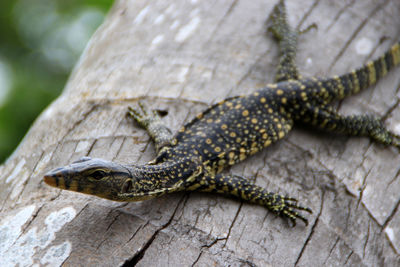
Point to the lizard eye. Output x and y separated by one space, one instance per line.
99 174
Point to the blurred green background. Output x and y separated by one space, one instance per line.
40 41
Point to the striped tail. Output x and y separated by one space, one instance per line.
359 79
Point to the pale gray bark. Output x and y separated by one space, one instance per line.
182 56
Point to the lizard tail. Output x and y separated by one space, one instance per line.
359 79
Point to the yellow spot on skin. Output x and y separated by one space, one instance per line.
224 126
356 82
256 94
245 113
281 134
322 124
371 72
254 120
231 155
284 100
396 54
232 134
265 136
208 141
199 116
229 104
217 149
253 150
270 110
263 100
279 92
209 120
238 106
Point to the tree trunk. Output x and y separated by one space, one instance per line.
182 56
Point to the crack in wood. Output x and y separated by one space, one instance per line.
331 250
233 222
348 257
141 252
355 33
391 215
220 22
303 248
339 14
307 14
197 259
366 239
108 227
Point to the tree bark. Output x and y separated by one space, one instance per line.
182 56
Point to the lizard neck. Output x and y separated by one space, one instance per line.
169 175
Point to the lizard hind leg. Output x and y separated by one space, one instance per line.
151 122
329 120
238 187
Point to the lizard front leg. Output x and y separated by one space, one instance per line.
242 188
151 122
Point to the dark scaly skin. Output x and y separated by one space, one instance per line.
230 131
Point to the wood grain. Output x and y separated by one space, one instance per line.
182 56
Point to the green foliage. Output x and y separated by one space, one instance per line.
40 41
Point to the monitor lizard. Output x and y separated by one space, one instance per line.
233 129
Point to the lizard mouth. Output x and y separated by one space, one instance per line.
54 181
55 178
52 177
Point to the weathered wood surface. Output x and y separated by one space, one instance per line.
182 56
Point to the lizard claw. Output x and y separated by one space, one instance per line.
287 207
141 115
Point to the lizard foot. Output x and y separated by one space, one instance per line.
287 207
143 116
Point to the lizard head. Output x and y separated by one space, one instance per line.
92 176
